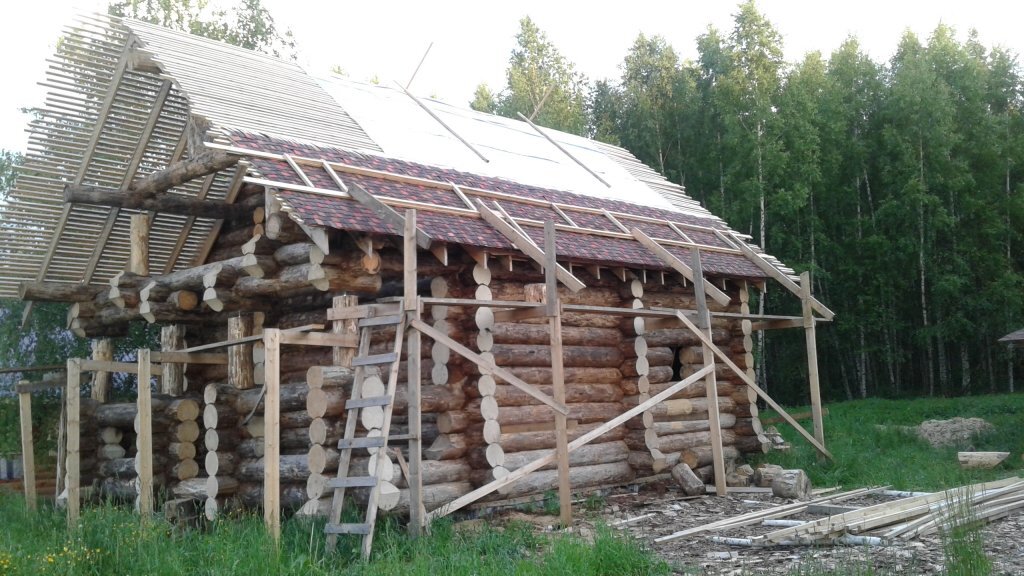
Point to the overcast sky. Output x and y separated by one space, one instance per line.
472 40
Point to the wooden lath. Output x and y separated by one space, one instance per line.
679 266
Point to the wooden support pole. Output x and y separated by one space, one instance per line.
102 349
342 356
711 388
138 262
173 381
812 358
552 304
272 433
144 441
28 459
74 458
412 308
240 365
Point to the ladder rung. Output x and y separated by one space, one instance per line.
367 402
400 437
347 529
370 442
352 482
389 320
374 359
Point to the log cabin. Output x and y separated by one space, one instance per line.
352 282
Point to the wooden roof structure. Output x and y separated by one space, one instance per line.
1014 339
134 109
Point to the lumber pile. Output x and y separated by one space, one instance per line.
905 518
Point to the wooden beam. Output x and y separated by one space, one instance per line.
710 386
28 458
583 440
772 271
144 440
138 260
679 266
181 357
72 404
182 171
168 204
25 387
517 314
204 252
272 434
753 385
108 366
527 247
488 367
411 304
552 307
247 339
385 212
563 150
812 357
442 123
320 339
56 291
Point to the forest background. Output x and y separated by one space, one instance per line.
898 184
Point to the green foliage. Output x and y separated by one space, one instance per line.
542 84
963 545
484 100
110 540
247 23
898 458
8 162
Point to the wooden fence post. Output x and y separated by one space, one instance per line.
144 440
73 406
28 460
272 434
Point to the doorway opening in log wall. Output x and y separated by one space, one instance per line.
677 363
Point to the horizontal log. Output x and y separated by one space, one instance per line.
681 426
573 375
683 408
507 395
636 439
523 441
56 292
506 355
543 481
538 334
583 413
446 447
588 455
168 204
703 456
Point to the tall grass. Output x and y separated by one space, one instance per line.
111 540
871 449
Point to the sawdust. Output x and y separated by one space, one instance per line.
956 432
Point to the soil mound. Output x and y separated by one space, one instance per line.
959 432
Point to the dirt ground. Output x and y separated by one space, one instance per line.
672 512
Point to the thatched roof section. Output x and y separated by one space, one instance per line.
129 99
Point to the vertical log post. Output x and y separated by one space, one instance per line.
710 385
172 382
272 434
412 308
240 362
28 458
73 407
144 440
102 349
342 356
553 307
812 360
138 262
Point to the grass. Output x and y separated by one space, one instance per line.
866 455
110 540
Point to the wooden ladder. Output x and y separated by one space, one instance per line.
372 403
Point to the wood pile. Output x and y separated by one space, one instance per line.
905 518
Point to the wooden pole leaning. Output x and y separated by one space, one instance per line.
812 358
28 460
144 440
272 434
73 408
711 385
553 304
411 305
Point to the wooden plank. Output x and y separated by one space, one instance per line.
179 357
144 441
753 385
319 339
442 123
563 150
342 356
776 324
772 271
796 416
552 455
552 305
517 314
710 387
812 358
28 459
30 387
514 304
272 433
123 367
72 405
526 246
679 266
248 339
414 474
385 212
487 367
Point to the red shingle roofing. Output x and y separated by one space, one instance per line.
346 214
